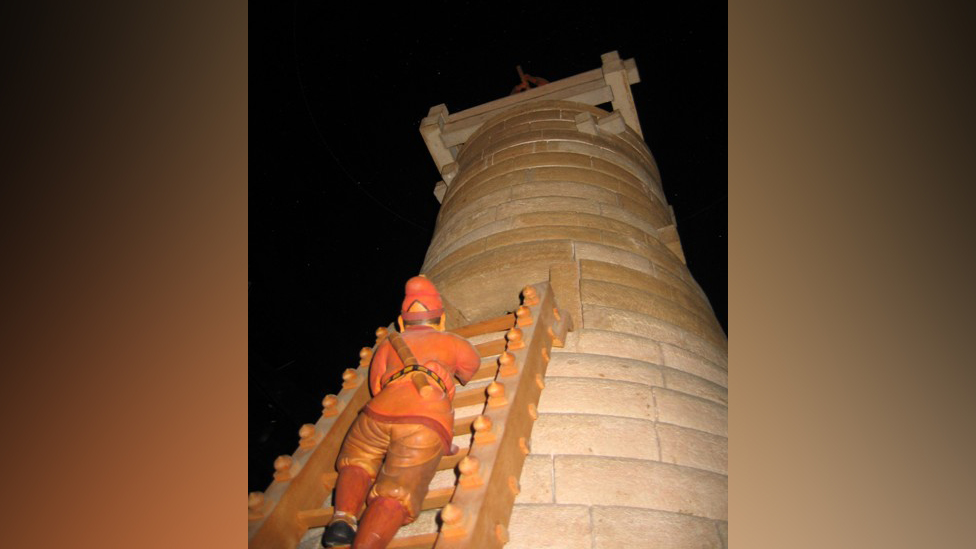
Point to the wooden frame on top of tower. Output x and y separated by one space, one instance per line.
444 133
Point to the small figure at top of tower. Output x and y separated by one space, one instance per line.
527 79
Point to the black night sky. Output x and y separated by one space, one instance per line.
341 204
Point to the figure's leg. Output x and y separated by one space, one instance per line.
382 519
358 464
399 490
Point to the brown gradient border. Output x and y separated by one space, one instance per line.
124 287
851 371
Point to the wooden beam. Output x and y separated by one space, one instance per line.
485 508
444 133
595 92
313 518
616 77
488 370
419 541
306 490
490 348
467 397
450 462
462 426
497 324
541 92
430 129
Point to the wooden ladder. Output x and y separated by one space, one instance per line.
474 511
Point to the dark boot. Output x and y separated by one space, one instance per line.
339 532
351 488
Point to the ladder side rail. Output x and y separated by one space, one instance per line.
311 477
482 503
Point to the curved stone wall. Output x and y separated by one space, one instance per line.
630 448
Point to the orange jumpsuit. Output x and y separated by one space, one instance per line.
412 432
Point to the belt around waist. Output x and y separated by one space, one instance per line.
418 368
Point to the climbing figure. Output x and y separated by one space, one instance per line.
409 422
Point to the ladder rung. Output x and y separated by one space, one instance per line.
420 541
450 462
487 370
468 397
496 324
313 518
490 348
462 426
435 499
329 479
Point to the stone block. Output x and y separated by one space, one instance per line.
637 174
549 527
693 448
635 244
608 272
612 226
586 123
648 224
616 527
441 261
602 139
636 177
540 233
440 189
594 480
564 188
613 124
467 264
723 532
546 204
577 174
552 159
446 247
522 134
536 479
688 411
463 217
533 116
552 125
609 254
600 147
622 296
640 147
682 382
570 219
601 342
512 151
629 322
604 367
595 435
485 288
685 361
596 396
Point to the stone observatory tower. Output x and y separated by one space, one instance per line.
630 445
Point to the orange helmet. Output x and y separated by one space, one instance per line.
421 300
